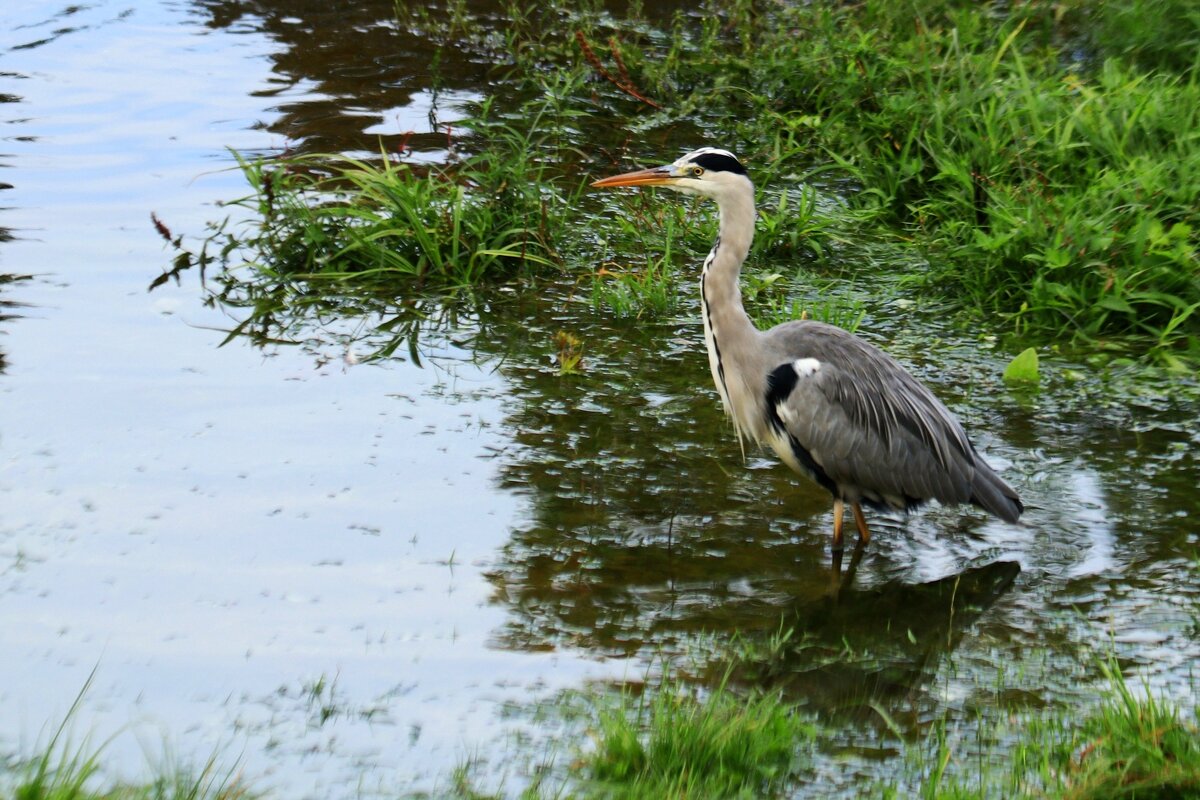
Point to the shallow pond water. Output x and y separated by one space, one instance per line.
348 576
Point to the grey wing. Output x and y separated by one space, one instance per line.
874 431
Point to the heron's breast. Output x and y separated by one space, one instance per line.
741 396
715 364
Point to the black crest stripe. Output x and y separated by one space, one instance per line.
719 162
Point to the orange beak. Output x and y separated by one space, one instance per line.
655 176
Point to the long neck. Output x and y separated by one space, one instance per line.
730 335
722 296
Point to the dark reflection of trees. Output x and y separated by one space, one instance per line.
343 68
645 527
354 64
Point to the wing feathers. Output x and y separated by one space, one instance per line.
875 432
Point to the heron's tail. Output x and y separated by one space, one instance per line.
992 494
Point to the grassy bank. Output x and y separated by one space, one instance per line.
667 739
64 769
1041 156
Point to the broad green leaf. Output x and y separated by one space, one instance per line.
1023 368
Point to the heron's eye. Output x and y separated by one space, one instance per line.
697 171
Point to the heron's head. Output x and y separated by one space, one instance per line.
709 172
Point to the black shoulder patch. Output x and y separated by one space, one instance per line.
780 383
719 162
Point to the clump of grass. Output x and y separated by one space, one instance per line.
77 775
334 218
634 294
1131 747
629 291
1051 184
341 223
675 742
67 771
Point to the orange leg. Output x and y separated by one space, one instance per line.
864 533
838 509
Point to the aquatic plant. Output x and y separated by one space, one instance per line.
64 770
1041 156
1047 189
674 742
335 224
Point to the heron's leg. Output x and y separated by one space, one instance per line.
855 558
838 579
838 508
864 533
835 574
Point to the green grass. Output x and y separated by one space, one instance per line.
675 742
1063 201
78 775
336 224
1132 746
1058 195
670 738
628 289
64 770
1129 746
1042 156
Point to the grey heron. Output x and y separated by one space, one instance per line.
832 406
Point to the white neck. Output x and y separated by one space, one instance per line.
731 337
